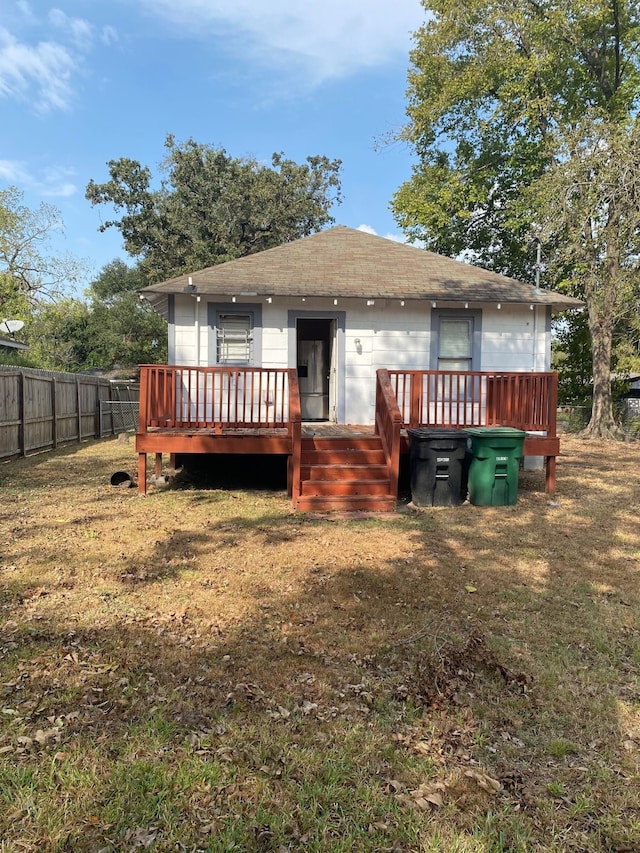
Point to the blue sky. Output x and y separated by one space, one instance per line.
85 81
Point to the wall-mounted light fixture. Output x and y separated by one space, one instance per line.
269 299
499 306
466 304
433 304
402 303
371 302
358 346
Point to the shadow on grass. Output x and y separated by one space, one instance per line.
314 672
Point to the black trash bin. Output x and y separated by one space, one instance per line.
438 466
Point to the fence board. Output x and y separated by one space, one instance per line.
41 409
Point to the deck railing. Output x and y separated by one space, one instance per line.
432 398
388 425
218 398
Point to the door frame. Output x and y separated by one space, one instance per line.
337 398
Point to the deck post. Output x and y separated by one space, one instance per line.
142 473
143 397
550 475
388 423
158 465
295 432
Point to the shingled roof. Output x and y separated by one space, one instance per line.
345 262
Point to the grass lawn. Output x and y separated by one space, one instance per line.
204 670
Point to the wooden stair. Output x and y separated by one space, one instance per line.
344 473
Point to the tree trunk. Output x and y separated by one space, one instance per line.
602 423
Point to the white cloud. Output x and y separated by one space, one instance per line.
25 10
79 31
54 182
368 229
109 35
14 172
41 73
325 40
41 57
397 238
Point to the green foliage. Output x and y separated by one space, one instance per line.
571 357
58 335
17 358
524 120
125 330
116 279
212 207
113 328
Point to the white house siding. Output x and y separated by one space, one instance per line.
390 335
515 337
274 335
182 332
386 334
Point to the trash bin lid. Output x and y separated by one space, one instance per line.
495 432
436 433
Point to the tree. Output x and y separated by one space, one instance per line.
591 199
125 331
58 335
524 120
28 270
211 207
111 327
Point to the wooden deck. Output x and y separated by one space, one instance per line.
186 410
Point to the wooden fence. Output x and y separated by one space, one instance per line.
41 410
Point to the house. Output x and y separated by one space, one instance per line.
630 400
10 344
329 312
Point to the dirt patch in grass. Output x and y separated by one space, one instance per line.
203 669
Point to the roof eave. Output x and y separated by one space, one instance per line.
557 302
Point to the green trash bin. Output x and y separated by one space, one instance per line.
495 457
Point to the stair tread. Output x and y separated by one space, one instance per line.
337 457
340 465
351 480
347 473
381 503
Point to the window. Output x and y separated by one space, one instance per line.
456 339
234 339
455 344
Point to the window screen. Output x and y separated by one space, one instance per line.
234 339
455 351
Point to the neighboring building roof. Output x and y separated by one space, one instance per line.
345 262
11 343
